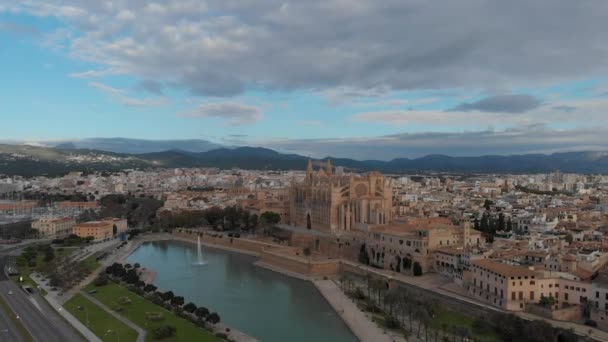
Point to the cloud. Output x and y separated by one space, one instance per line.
236 113
19 29
121 95
521 140
517 103
565 108
92 73
152 87
223 48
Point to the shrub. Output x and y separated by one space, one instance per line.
100 281
124 300
164 331
155 316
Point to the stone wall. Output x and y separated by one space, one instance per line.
215 239
300 265
571 313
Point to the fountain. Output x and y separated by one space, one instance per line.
199 253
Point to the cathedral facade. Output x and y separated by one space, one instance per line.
334 203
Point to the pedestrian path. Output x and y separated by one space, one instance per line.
141 333
364 328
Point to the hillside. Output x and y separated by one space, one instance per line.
36 161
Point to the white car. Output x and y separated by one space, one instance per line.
10 292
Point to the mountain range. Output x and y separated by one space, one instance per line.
37 160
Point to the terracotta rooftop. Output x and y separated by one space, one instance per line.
503 269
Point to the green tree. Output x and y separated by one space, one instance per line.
190 307
487 204
270 218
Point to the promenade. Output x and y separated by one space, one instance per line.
362 326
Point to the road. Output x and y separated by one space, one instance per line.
43 323
7 329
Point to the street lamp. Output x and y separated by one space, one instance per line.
113 331
82 308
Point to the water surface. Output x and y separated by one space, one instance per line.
266 305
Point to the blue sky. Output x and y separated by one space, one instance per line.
356 80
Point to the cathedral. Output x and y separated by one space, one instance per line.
333 203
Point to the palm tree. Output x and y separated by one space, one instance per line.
391 298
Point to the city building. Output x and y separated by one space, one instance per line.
100 230
54 227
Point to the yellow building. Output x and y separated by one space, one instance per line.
512 287
100 230
54 227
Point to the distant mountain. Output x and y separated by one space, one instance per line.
135 146
261 158
27 160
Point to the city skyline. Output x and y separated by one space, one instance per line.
362 80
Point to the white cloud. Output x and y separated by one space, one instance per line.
225 47
236 113
121 95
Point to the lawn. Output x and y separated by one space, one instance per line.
100 321
91 262
136 312
447 318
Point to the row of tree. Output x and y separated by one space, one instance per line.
129 275
418 313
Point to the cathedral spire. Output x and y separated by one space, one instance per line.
329 168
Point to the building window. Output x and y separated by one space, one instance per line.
513 295
531 295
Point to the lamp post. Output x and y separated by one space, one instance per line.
82 308
113 331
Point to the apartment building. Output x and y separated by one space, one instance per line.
54 227
100 230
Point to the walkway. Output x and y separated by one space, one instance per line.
141 333
363 327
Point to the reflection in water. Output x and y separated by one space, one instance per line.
264 304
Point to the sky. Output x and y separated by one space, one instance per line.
364 79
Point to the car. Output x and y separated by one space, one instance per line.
10 292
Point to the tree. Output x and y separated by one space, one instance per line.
164 331
150 288
417 269
190 307
114 230
569 238
502 225
270 218
509 224
213 318
547 301
253 222
177 301
245 216
167 296
201 312
487 204
131 277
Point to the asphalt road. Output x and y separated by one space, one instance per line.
43 323
7 329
